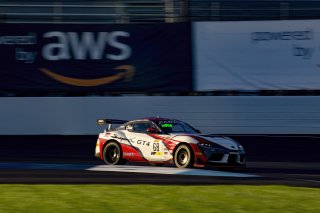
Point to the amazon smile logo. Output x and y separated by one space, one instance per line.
81 46
126 73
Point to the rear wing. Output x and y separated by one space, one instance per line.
110 122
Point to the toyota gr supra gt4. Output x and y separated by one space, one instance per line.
158 141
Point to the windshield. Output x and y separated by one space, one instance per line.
175 126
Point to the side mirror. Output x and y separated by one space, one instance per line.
198 131
152 130
129 128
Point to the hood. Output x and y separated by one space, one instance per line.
198 138
222 141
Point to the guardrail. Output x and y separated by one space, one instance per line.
87 12
126 11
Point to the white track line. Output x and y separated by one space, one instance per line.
168 170
314 181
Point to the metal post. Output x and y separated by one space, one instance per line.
215 11
284 10
169 11
120 11
185 10
57 10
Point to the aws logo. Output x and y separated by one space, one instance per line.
127 75
88 46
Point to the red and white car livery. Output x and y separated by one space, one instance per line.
158 141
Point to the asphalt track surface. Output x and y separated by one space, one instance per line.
272 160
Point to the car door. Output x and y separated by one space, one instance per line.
150 148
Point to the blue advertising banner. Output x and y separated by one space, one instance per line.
95 57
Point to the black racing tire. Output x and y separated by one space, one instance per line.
112 154
183 157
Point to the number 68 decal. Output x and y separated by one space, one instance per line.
156 147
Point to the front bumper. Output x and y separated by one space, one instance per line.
223 157
230 159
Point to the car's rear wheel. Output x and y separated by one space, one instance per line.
112 154
183 157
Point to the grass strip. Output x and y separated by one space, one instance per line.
157 198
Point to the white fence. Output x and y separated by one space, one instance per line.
221 115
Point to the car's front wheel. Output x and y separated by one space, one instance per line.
183 157
112 154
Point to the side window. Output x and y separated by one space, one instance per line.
141 127
178 128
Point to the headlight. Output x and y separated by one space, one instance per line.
209 148
206 145
241 149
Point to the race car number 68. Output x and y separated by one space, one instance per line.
156 147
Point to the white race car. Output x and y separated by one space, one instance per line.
159 141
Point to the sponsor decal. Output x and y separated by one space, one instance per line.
128 154
143 143
127 75
118 137
168 122
156 147
139 142
156 153
95 57
283 35
166 125
87 46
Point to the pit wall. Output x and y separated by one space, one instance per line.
210 114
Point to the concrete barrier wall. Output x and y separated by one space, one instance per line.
218 115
